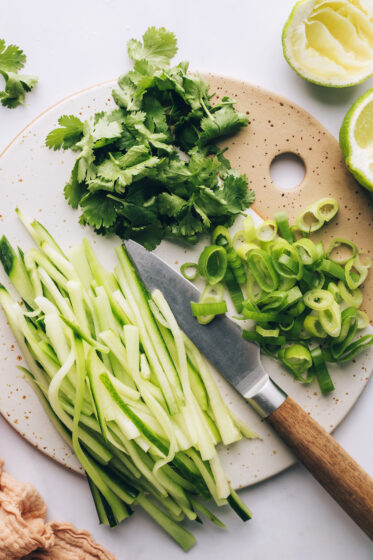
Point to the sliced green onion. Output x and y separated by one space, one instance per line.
332 268
297 309
341 242
312 279
208 308
216 291
309 220
318 299
307 250
283 227
351 297
355 272
321 371
236 265
297 358
234 289
212 263
254 291
267 332
266 231
286 260
354 348
260 264
210 295
313 326
256 337
275 300
335 291
326 208
243 249
248 227
265 317
331 319
362 320
348 330
221 236
189 270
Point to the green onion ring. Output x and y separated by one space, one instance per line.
309 220
260 264
286 260
212 263
355 273
313 326
307 250
318 299
351 297
331 319
326 208
341 242
221 236
189 266
297 358
266 231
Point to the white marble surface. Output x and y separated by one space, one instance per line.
82 42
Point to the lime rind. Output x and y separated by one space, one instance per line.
321 69
358 160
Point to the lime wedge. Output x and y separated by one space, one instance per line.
356 139
330 42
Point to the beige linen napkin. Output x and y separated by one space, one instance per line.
25 534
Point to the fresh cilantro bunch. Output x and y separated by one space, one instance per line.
12 59
151 168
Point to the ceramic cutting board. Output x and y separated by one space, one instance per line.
32 177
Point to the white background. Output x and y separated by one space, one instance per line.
74 44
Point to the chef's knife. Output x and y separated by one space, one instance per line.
239 362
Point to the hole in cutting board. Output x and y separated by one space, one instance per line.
287 170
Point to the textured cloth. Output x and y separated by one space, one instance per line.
25 534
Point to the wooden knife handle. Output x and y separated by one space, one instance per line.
327 461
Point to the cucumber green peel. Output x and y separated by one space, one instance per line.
303 299
121 383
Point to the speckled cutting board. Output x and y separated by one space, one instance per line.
279 126
32 177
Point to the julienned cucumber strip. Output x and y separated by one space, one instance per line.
121 383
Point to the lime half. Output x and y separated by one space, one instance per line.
356 139
330 42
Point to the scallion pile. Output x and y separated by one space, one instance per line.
304 299
126 389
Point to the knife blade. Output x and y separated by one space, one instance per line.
239 362
248 375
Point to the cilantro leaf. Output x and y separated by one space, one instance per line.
74 191
189 225
224 122
170 204
126 96
121 172
98 210
236 192
67 135
157 48
12 58
16 87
